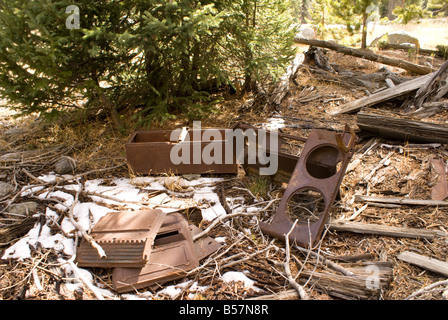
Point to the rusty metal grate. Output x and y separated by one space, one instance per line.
126 237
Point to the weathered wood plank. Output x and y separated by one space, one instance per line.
382 230
402 128
424 262
385 95
399 200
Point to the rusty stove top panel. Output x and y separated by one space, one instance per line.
126 237
171 258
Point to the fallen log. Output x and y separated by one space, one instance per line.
370 279
281 90
385 95
402 129
365 54
434 265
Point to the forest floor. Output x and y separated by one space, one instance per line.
250 263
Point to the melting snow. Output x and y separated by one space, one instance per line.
239 276
88 213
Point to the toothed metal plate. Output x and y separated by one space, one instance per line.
126 237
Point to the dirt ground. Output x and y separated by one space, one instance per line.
406 173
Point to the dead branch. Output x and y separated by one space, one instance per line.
302 293
365 54
427 288
326 261
228 216
389 231
85 235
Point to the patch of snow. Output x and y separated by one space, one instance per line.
39 235
221 239
213 212
274 124
235 276
205 194
174 290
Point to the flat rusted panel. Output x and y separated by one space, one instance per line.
320 168
204 246
440 187
126 237
171 258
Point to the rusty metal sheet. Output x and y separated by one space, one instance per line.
171 258
126 237
286 162
204 246
440 187
315 180
148 152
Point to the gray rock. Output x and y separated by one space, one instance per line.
6 188
399 37
306 31
24 208
65 166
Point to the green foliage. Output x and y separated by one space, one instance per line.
46 67
442 51
355 14
438 7
409 12
258 38
158 57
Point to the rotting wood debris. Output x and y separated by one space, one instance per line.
383 212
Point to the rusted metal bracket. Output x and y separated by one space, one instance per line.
319 169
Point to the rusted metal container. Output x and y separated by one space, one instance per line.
151 151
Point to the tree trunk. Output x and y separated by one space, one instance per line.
105 101
364 31
365 54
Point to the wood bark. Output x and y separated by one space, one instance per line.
282 89
440 184
365 54
402 129
369 280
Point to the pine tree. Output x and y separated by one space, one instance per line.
157 57
355 14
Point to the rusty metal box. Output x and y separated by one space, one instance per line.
151 152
